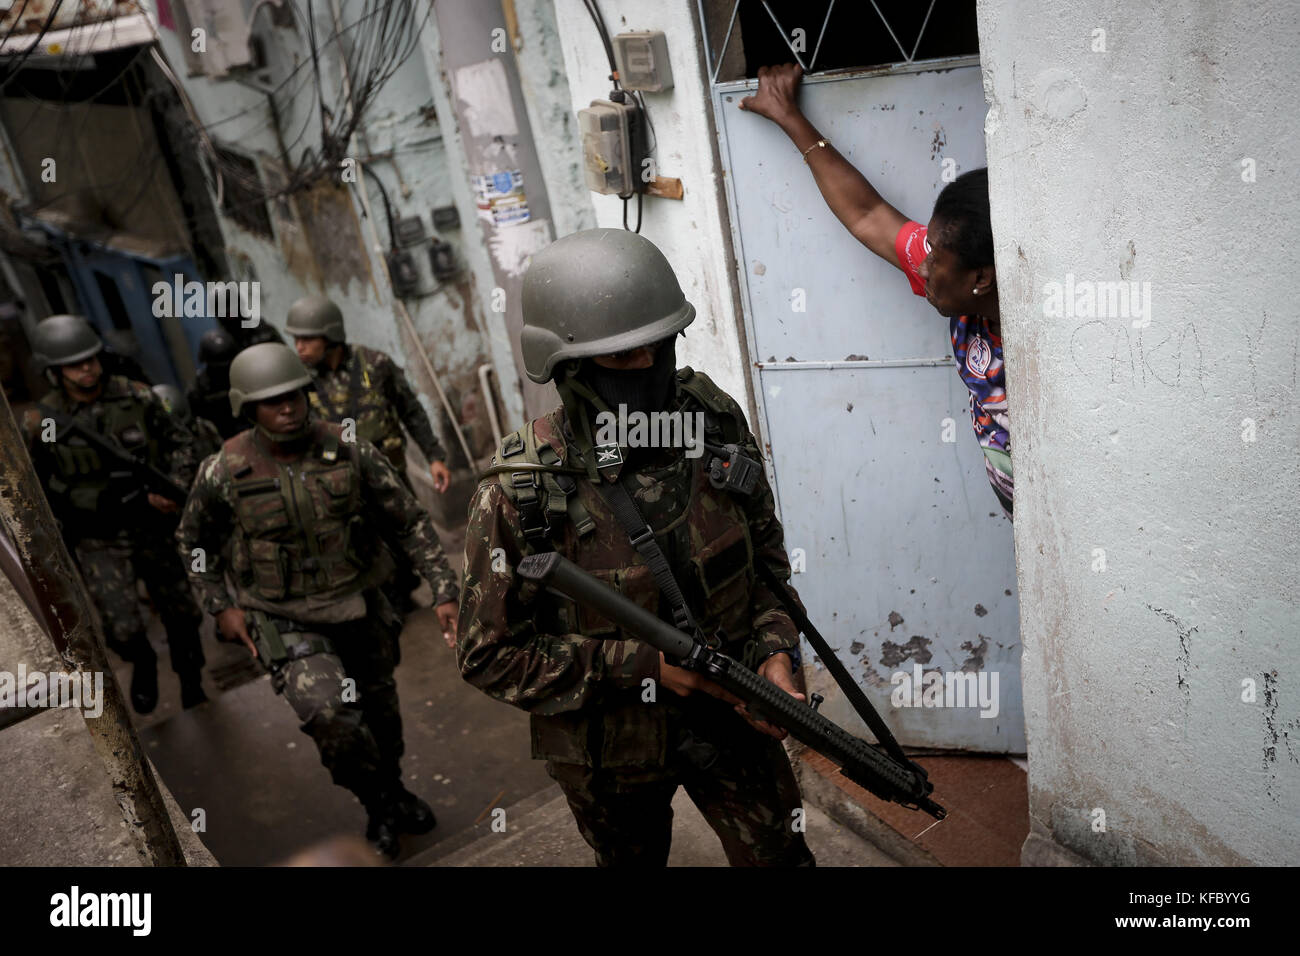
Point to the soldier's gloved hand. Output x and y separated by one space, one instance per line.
447 613
230 624
165 505
441 476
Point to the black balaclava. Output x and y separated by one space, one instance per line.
639 389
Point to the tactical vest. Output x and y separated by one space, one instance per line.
376 419
300 528
78 476
567 513
556 510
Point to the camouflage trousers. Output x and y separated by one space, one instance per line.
748 795
404 579
346 697
111 569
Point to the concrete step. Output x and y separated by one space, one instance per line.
517 815
541 832
243 758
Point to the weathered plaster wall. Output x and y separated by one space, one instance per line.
692 232
545 86
329 246
1157 517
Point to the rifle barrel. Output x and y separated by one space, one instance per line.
882 775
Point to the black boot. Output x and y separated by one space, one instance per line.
412 814
144 684
192 690
381 826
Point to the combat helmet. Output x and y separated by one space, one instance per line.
64 340
597 292
217 347
173 400
316 315
264 371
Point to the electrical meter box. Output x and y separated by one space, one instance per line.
611 147
642 60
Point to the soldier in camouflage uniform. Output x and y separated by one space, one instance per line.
207 440
209 399
117 534
302 509
364 385
620 727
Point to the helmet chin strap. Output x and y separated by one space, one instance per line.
282 438
578 399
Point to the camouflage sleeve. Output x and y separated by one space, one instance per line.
205 525
411 523
179 456
773 627
499 648
412 414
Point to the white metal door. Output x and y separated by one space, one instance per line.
908 560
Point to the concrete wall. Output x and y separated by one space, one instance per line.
547 97
1156 467
692 232
341 253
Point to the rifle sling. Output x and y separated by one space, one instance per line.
106 444
861 703
642 538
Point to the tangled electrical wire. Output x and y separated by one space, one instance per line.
372 49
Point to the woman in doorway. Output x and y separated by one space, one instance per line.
949 261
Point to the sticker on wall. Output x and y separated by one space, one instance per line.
500 197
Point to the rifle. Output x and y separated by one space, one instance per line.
888 777
127 464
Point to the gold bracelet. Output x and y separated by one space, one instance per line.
821 142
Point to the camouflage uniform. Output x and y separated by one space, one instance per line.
209 399
370 389
306 562
207 439
618 757
117 545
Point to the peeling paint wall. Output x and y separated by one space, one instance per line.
692 232
324 241
545 85
509 200
1156 460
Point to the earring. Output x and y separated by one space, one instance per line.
974 291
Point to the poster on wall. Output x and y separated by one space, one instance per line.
500 197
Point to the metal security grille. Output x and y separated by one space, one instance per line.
831 35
